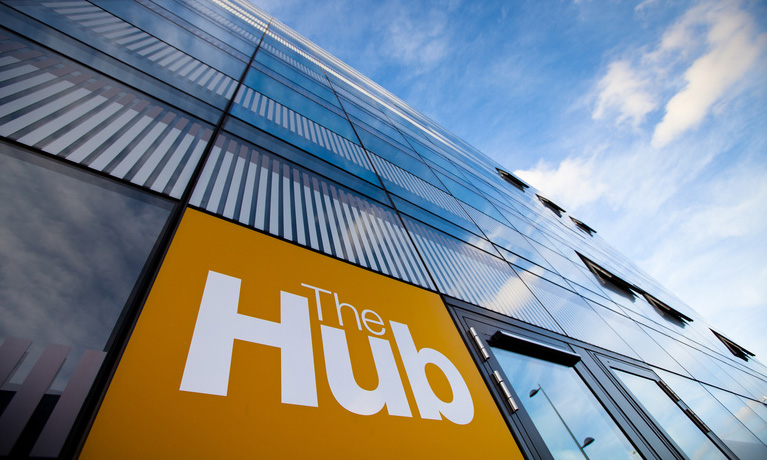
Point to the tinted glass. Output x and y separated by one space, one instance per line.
731 431
71 249
563 409
670 417
745 410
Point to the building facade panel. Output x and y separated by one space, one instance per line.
158 154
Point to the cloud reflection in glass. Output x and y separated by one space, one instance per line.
71 249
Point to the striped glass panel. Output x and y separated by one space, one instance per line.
318 93
292 46
67 110
574 315
200 33
266 192
144 47
568 269
395 176
278 119
467 273
507 238
225 22
295 63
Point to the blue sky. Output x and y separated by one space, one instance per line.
647 120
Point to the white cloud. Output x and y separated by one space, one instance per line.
624 91
725 216
684 35
632 178
697 62
682 211
712 253
734 50
575 180
694 225
418 40
703 244
644 5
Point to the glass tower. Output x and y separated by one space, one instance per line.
129 126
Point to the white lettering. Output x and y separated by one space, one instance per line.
219 325
377 320
340 305
461 409
317 298
389 392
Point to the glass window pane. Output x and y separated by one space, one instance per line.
72 250
712 412
261 190
72 246
670 417
745 410
563 409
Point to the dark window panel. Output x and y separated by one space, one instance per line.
683 431
72 247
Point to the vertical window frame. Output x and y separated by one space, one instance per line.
485 324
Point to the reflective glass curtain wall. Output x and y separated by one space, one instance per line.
117 116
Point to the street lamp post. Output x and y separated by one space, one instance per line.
586 441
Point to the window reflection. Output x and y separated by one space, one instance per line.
728 428
745 410
670 417
569 418
71 249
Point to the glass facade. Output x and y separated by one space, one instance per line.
119 119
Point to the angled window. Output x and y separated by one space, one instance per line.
512 179
734 348
668 412
555 402
606 277
666 310
581 226
556 209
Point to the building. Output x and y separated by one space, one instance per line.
219 241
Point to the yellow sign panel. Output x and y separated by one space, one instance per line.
252 347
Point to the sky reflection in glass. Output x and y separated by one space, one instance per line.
71 249
670 417
563 408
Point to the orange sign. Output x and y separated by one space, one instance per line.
252 347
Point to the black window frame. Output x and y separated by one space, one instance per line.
583 227
512 179
644 371
128 315
553 207
733 347
664 309
482 329
605 276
